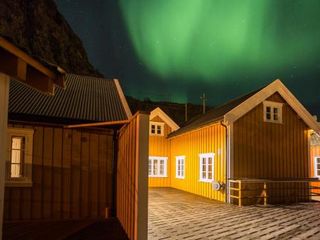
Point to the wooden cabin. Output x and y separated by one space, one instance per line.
58 168
252 149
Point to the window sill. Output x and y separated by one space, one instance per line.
205 181
18 183
180 178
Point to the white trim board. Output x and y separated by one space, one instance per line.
256 99
158 112
123 98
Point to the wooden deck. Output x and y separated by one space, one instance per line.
174 214
71 230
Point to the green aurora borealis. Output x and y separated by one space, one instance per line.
174 50
209 38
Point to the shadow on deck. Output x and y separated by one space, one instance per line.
70 230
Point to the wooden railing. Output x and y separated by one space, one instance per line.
271 190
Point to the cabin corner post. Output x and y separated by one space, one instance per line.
4 99
141 231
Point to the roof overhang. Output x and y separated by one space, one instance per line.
158 112
256 99
21 66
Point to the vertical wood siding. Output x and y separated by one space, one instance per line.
270 150
132 174
210 139
160 146
71 176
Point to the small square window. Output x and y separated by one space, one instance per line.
156 128
317 167
272 112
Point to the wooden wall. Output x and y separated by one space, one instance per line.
132 177
72 176
160 146
270 150
210 139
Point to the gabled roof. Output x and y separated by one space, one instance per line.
235 109
84 99
158 112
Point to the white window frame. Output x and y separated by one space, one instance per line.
182 172
206 155
316 167
165 170
26 179
156 124
272 105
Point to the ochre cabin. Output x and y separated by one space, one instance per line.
253 149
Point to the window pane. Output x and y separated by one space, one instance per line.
210 160
268 116
153 128
275 110
15 170
155 167
209 175
204 161
275 117
318 172
318 160
16 156
150 167
210 168
161 167
204 175
158 129
268 109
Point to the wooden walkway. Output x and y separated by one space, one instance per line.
174 214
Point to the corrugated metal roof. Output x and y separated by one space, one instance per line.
212 116
84 99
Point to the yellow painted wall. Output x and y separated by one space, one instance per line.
160 146
210 139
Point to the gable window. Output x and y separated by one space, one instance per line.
317 167
206 167
19 164
180 167
158 166
272 112
156 128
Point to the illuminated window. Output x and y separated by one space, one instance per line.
158 166
17 156
272 112
206 167
19 164
180 166
317 167
156 128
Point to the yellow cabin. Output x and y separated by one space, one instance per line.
253 149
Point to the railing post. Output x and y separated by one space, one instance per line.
240 194
265 194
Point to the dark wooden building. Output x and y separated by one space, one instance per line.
57 167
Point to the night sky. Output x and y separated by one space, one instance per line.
175 50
